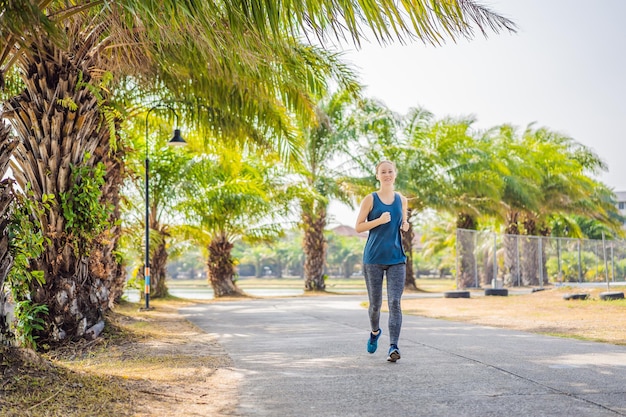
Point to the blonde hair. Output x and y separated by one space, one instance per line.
386 162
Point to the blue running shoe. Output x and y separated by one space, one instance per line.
394 353
372 342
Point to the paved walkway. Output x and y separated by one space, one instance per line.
306 356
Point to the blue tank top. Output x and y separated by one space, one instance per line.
384 243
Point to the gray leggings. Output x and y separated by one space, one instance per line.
396 275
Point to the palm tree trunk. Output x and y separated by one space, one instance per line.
467 273
530 252
221 268
510 242
511 265
529 264
53 137
314 245
6 259
103 261
158 266
6 197
7 147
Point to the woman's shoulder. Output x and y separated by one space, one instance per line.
368 200
402 198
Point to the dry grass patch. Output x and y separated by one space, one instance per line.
544 312
149 364
34 387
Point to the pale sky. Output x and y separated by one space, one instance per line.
565 69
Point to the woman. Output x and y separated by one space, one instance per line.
384 213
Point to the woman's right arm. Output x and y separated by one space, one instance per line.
362 225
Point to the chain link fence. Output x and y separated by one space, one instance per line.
501 260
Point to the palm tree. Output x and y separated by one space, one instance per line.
319 181
453 165
59 122
383 138
418 179
166 165
520 194
230 195
546 180
565 188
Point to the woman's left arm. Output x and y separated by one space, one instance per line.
405 211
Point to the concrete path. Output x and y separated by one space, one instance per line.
306 356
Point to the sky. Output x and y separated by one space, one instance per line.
565 69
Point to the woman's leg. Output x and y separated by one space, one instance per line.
396 275
374 282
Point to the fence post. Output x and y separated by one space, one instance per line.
580 264
558 256
606 265
457 258
495 261
597 259
475 232
612 262
519 267
540 263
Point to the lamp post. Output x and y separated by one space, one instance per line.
176 140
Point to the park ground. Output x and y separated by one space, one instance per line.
157 363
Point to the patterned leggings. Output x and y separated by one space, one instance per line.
396 275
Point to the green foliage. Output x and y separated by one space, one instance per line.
344 252
68 103
110 114
27 243
29 320
85 215
13 84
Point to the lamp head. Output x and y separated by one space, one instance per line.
177 140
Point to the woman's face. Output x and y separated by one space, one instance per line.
386 173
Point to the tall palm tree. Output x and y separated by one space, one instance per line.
166 165
546 179
566 187
382 138
418 179
520 194
230 195
59 122
319 181
458 176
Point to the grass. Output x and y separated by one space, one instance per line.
149 363
157 363
543 312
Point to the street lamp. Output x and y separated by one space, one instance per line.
177 140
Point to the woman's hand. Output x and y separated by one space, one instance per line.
405 226
385 217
